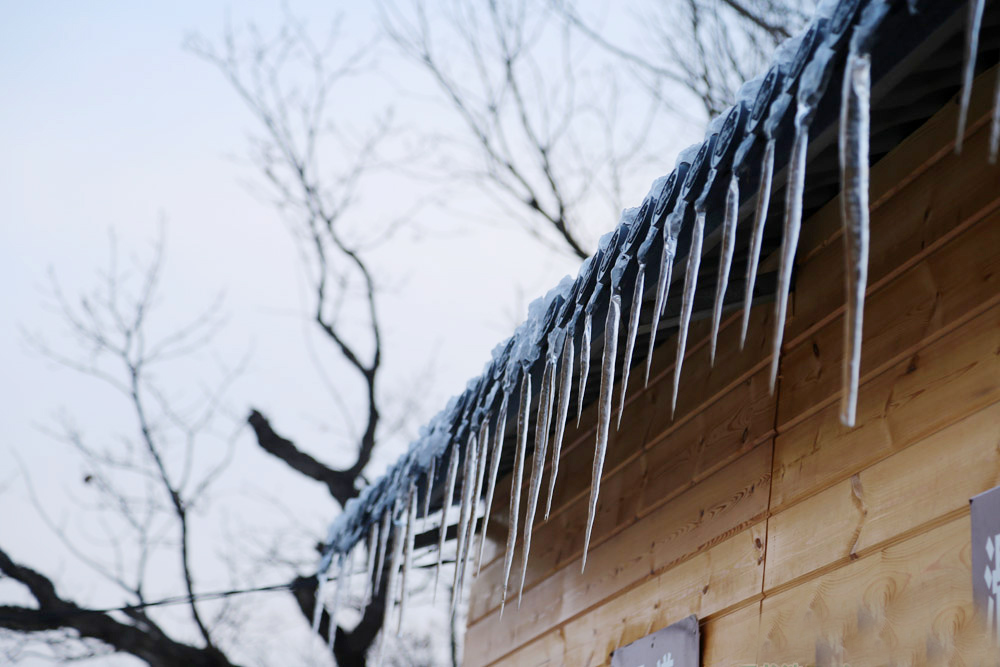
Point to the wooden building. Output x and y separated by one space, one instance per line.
793 538
785 532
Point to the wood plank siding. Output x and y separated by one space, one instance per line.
793 538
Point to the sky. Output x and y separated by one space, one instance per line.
110 126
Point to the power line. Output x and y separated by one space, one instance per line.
177 599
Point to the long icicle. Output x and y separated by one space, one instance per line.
383 538
633 332
484 446
465 518
584 364
662 287
466 544
431 471
449 498
542 418
790 242
854 137
726 258
603 412
338 591
468 484
411 531
318 607
687 301
757 238
370 569
562 405
491 483
390 599
515 487
973 25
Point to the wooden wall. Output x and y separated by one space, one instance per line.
791 537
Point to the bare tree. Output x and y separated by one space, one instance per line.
549 136
705 49
143 489
314 165
556 128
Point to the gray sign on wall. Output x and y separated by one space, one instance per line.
986 557
678 645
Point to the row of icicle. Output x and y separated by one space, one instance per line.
801 83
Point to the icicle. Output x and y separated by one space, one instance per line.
484 440
397 554
430 488
854 137
760 217
538 463
995 123
494 468
383 538
603 412
515 487
562 402
662 287
687 302
468 484
633 331
972 27
370 569
550 397
335 606
790 242
411 531
726 258
318 608
584 365
449 498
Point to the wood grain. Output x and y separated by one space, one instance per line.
917 486
906 604
956 280
950 378
720 578
707 514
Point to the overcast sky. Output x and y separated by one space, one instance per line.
108 123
